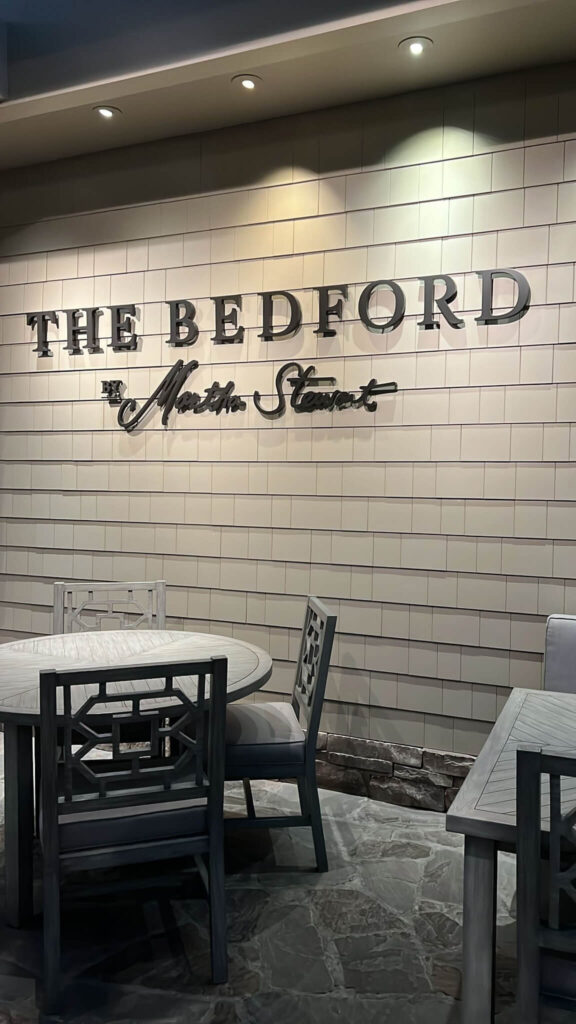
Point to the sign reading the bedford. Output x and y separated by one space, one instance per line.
83 325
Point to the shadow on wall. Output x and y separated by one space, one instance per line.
417 128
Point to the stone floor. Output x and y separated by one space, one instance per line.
376 940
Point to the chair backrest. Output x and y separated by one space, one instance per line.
537 805
560 654
176 756
79 607
312 666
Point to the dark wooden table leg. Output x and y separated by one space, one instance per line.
19 823
479 932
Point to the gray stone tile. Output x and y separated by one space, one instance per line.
443 877
375 848
382 963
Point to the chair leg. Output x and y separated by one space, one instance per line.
36 781
51 910
528 982
250 809
301 783
217 898
528 979
313 805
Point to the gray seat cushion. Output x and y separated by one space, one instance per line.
118 825
263 734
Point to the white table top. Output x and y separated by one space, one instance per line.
249 667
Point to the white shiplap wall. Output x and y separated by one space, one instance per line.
442 529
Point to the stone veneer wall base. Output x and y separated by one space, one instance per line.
393 772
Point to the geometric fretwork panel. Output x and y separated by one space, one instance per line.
562 874
312 642
313 662
103 606
311 652
95 613
156 736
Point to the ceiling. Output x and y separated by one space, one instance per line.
59 44
316 64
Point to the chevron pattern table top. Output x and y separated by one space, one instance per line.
486 803
21 662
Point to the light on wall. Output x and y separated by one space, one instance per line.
416 45
248 82
107 112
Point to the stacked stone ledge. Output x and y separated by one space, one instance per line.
393 772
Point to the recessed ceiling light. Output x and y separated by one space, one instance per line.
416 45
107 112
246 81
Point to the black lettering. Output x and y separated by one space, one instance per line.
40 321
308 402
186 401
325 310
210 394
88 330
165 395
520 307
372 388
222 318
399 306
299 382
280 408
122 325
268 333
182 313
226 401
343 399
429 322
111 390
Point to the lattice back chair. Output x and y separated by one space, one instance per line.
312 667
79 607
154 801
268 741
560 654
544 801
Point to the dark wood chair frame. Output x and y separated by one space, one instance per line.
307 699
533 933
133 777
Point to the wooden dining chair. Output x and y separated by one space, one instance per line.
147 803
545 790
79 607
268 741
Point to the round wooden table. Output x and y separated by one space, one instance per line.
21 662
249 667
